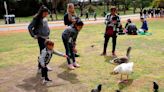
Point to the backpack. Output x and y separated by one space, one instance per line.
66 20
110 31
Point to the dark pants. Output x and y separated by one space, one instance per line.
44 72
69 50
41 43
114 39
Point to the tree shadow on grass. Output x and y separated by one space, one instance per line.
121 86
68 75
35 83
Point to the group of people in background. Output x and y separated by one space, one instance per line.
152 13
94 15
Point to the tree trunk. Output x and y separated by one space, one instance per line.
124 7
54 6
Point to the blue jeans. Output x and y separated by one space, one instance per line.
69 50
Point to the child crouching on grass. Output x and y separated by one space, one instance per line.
69 37
45 58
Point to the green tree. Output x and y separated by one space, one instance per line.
158 3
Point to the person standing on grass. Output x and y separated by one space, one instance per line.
39 29
87 15
70 16
69 37
45 58
95 15
112 21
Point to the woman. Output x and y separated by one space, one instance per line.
111 30
39 28
70 16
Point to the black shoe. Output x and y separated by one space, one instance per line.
47 79
76 55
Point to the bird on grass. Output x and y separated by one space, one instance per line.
117 91
98 89
123 59
155 86
92 46
124 69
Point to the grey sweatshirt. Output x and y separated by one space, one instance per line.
46 56
42 30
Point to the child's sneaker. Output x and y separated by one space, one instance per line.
71 67
39 70
76 65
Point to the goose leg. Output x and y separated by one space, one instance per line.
126 81
120 81
127 77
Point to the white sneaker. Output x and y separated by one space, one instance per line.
49 68
71 67
39 70
76 65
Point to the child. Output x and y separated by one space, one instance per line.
112 22
69 37
144 27
45 58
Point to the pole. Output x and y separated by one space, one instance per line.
5 6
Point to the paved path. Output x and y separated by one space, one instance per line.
23 26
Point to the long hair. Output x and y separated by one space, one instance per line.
70 5
39 15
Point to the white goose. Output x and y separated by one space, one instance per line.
124 69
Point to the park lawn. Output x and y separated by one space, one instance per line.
19 52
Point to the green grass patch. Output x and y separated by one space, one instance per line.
147 55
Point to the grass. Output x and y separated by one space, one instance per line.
19 52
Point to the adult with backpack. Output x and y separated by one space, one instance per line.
112 21
39 29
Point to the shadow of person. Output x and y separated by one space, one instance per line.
64 66
35 83
122 85
71 77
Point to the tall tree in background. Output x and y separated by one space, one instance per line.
158 3
143 3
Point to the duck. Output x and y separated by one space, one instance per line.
155 86
124 69
123 59
98 89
